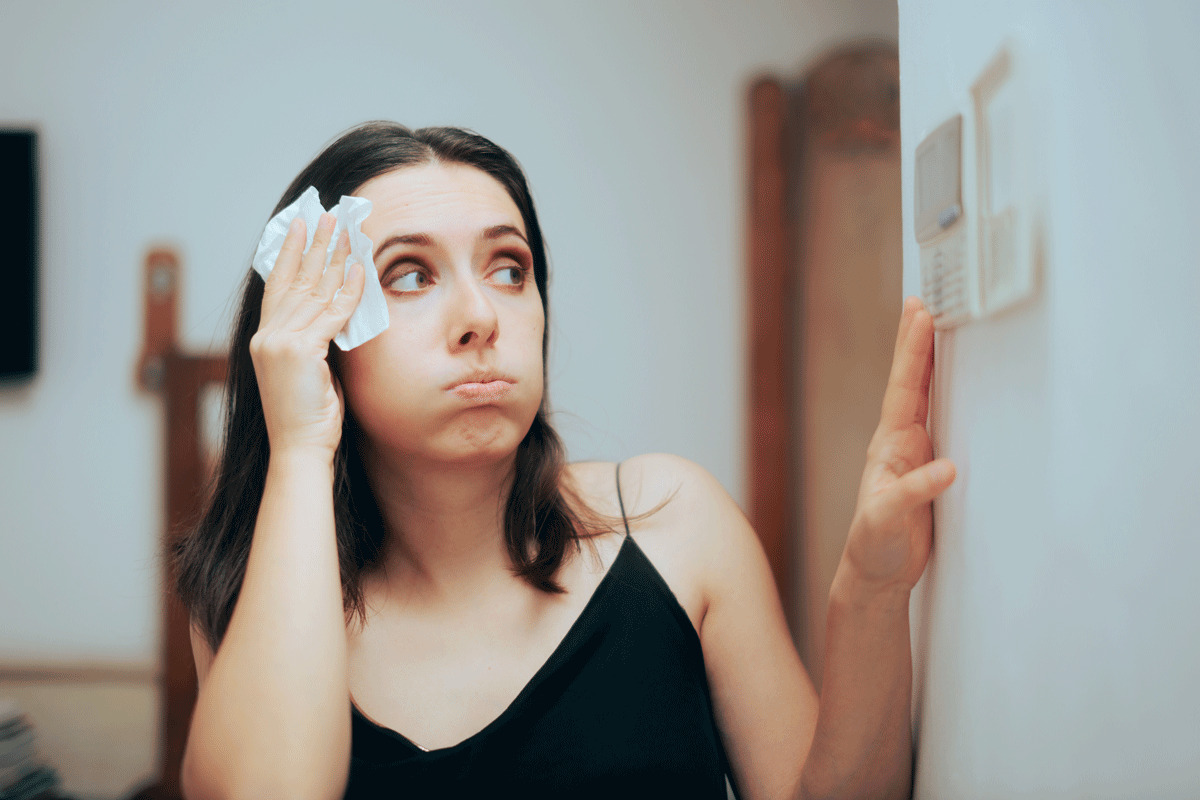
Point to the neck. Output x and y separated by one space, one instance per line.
444 523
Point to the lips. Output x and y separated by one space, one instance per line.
481 387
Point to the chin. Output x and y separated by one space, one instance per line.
477 439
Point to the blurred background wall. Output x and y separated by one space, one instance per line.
181 125
1056 632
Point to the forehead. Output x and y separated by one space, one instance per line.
443 200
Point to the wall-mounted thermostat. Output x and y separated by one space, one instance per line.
948 287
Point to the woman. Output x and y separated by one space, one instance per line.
391 567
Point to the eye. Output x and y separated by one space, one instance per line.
511 276
411 281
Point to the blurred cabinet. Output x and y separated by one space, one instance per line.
825 294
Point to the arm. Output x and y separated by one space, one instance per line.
272 718
863 741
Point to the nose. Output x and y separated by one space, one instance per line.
473 320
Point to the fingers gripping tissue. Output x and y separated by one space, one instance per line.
371 317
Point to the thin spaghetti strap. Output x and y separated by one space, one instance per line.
619 500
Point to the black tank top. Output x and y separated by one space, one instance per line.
621 709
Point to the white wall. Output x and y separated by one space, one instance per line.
183 124
1058 639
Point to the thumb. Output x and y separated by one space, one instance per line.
921 485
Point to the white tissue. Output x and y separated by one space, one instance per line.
370 318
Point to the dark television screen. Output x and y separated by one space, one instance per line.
18 231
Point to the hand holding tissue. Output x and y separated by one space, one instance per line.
371 317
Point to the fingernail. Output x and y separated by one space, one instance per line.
294 227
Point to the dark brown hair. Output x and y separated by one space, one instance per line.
542 515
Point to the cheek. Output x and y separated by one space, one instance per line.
536 325
385 373
537 330
532 335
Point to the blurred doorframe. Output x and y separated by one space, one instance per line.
824 284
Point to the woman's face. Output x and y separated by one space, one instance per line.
457 375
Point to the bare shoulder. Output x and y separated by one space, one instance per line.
647 481
689 525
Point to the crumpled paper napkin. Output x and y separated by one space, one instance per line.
370 318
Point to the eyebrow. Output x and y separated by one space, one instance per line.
425 240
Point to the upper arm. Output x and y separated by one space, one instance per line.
763 699
195 783
201 652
